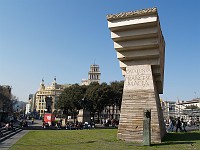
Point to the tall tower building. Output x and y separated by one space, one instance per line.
93 75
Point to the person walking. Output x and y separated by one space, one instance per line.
178 124
171 126
11 125
32 120
183 125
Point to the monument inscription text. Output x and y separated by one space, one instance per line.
138 77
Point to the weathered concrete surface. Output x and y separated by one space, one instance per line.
139 94
140 48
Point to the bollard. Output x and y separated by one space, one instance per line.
147 127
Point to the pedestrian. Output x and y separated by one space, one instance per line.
183 125
11 126
171 126
178 124
7 126
43 124
58 125
32 120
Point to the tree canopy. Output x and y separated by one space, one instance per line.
69 99
93 97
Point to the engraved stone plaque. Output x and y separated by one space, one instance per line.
138 78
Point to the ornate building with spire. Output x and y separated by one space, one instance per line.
44 92
93 75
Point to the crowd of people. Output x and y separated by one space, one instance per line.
110 122
23 123
69 125
7 126
177 124
78 125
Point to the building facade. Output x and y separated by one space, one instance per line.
93 75
169 109
111 112
188 110
45 92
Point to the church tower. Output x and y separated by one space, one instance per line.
94 74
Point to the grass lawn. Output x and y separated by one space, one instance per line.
99 139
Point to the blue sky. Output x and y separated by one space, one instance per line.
47 38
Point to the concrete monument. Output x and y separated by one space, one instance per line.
49 102
140 48
84 114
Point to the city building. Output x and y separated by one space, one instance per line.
93 75
188 110
169 109
48 92
111 112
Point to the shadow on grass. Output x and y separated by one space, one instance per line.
90 142
180 138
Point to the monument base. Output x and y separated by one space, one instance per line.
140 93
84 116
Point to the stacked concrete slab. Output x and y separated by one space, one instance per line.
140 48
